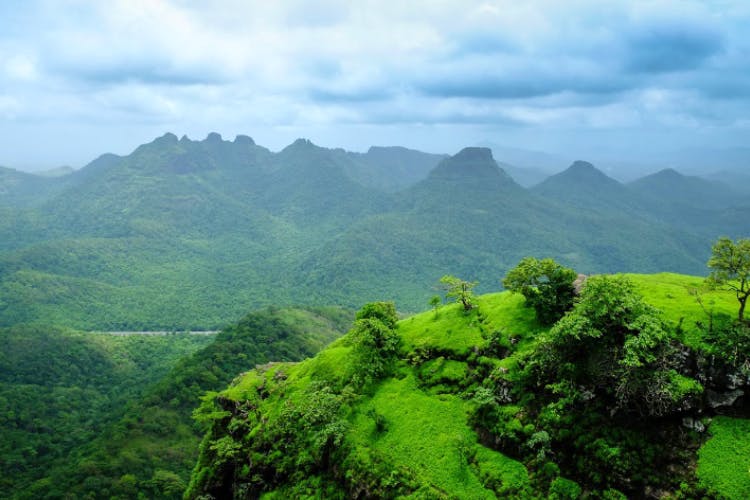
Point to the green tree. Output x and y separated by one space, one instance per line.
383 311
376 341
614 345
547 286
435 303
460 290
730 268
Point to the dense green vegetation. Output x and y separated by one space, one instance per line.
724 461
148 446
488 402
61 389
193 234
597 388
547 286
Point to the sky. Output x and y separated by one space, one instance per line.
585 79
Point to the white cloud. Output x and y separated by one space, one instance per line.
192 65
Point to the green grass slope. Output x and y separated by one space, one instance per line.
685 301
322 429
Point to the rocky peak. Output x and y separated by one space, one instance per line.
467 164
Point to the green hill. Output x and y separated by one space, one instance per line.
684 191
446 404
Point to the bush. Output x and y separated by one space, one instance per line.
564 489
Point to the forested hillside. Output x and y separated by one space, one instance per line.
192 234
110 417
60 389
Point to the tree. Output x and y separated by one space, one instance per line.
383 311
435 303
547 286
375 339
460 289
615 346
730 267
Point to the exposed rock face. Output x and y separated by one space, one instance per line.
693 424
723 399
578 283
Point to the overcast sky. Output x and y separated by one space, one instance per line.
579 78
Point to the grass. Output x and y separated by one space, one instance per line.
426 436
451 330
675 295
724 460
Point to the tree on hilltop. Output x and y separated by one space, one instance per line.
460 290
547 286
730 268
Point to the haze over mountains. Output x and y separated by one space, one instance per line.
192 234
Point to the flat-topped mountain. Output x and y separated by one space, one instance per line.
470 164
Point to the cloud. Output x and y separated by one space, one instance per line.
188 65
671 46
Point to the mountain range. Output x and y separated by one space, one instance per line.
193 234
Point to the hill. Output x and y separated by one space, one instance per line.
453 408
146 443
585 186
682 191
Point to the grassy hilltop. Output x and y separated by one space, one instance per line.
410 424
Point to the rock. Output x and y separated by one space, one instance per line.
718 399
693 424
735 380
578 283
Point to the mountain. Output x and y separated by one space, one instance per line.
392 168
20 189
470 219
312 185
471 165
671 187
487 403
694 204
192 234
583 185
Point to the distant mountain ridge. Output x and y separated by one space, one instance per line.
192 234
